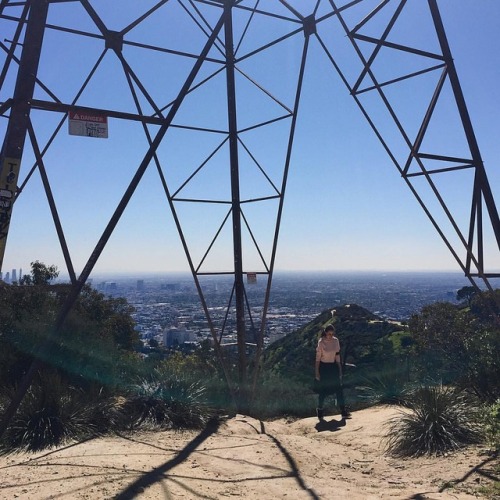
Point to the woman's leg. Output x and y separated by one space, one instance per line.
339 392
321 394
319 410
321 399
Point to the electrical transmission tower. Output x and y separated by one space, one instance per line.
202 99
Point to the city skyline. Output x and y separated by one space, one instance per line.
346 208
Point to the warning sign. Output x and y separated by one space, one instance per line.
88 124
251 278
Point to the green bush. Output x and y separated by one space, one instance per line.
387 387
165 400
50 414
491 419
437 420
276 397
53 413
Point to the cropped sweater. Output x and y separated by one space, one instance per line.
327 350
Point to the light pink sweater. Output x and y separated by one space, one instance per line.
327 350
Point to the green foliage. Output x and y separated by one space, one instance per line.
276 397
439 332
401 341
53 413
493 490
363 342
482 371
390 386
466 293
438 420
93 346
166 400
485 306
41 275
491 420
202 364
460 346
50 414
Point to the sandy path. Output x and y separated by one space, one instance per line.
246 458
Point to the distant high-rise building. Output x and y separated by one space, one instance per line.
14 275
7 277
177 336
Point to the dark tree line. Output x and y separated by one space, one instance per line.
96 339
461 345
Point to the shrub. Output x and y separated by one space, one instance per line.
167 401
278 396
438 420
105 412
491 419
388 387
49 415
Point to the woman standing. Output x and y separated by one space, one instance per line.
328 371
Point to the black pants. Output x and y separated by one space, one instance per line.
329 384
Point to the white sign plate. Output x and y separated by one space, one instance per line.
88 124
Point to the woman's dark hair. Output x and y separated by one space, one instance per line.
329 328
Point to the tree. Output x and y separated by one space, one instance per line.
439 332
460 346
466 293
94 344
486 306
40 274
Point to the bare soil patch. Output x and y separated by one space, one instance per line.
247 458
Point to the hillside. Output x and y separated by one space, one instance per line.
364 337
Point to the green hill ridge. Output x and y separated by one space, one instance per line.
363 336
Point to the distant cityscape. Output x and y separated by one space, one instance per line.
11 276
168 310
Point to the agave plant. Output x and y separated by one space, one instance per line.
437 420
388 387
167 400
50 414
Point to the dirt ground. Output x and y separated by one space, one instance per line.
247 458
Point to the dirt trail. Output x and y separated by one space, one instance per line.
247 458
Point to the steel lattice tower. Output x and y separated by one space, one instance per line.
202 64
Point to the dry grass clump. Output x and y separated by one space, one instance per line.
436 420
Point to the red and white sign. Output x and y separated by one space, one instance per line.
251 278
88 124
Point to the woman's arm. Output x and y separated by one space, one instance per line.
318 359
339 364
338 360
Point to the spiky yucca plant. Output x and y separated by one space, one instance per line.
387 387
437 420
50 414
167 400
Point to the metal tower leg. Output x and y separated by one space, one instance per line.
15 137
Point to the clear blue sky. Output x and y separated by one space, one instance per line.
346 207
